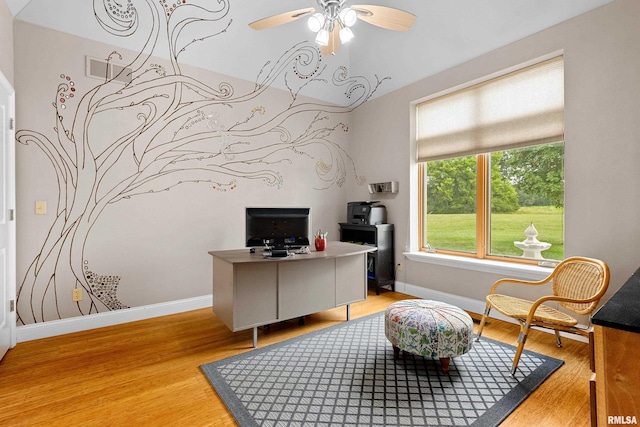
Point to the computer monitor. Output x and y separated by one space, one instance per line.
277 227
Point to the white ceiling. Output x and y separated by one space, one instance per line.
446 33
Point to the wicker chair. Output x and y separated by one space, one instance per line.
577 284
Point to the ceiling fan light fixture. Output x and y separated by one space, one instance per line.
322 38
348 16
315 22
331 21
345 35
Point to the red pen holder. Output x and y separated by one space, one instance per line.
321 244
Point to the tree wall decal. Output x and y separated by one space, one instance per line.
167 129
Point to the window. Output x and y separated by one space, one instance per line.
491 160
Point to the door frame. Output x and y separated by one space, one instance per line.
7 88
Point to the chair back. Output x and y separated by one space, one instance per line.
581 278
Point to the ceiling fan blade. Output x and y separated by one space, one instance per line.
385 17
280 19
334 43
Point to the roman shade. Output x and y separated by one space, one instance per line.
519 109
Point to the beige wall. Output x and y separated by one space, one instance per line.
157 240
6 41
602 106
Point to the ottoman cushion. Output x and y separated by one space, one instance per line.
429 328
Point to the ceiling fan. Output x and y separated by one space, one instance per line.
332 23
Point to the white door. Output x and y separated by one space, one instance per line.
7 223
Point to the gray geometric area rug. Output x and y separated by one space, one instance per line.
345 375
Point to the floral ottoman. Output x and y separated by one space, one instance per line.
428 328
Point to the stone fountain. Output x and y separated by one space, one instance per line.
531 246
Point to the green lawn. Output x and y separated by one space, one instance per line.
458 232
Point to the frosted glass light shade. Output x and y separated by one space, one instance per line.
348 16
345 35
315 22
322 38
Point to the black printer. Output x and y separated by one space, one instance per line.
366 213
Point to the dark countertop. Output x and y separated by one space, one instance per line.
622 311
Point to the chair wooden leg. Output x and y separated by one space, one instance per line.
522 339
558 340
483 321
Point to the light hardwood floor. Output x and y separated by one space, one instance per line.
147 373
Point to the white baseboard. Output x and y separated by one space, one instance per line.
467 304
83 323
464 303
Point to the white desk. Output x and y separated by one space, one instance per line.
250 290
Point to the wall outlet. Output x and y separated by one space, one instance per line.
399 267
76 295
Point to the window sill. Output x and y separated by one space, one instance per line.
507 269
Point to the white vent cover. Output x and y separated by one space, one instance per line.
103 70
